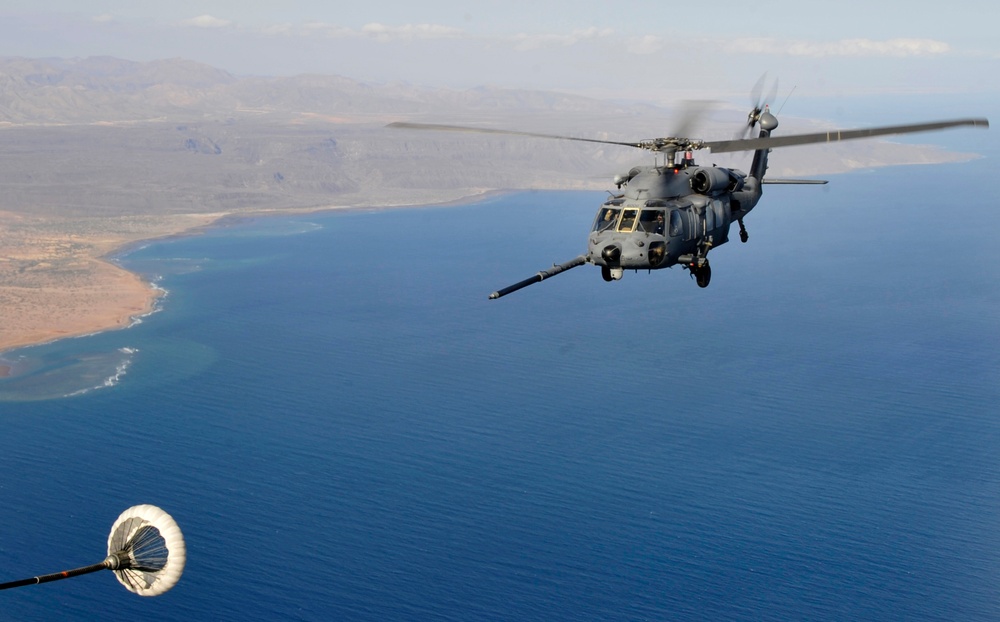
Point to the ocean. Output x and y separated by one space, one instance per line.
346 428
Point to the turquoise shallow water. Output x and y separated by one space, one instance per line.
346 428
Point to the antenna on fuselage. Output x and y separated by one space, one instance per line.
787 97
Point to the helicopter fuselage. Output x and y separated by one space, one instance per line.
668 215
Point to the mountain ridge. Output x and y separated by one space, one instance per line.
108 89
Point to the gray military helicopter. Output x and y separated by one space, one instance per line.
675 213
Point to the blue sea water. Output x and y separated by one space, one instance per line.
346 428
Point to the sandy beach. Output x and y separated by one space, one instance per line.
106 297
56 280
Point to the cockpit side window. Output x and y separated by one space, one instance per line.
651 221
676 223
606 219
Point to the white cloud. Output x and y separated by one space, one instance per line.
376 31
525 42
898 48
316 28
207 21
381 32
648 44
278 29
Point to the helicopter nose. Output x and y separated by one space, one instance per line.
612 254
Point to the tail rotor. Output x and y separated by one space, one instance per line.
758 104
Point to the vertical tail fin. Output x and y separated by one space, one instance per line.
758 168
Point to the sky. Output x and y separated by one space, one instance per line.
644 49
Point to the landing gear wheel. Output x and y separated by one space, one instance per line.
703 275
744 236
606 274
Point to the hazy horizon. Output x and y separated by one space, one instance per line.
644 51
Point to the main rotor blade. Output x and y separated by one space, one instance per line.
721 146
404 125
690 114
757 91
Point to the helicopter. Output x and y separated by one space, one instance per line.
674 213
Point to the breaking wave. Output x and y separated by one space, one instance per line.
44 377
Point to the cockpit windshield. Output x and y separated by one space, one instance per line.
628 220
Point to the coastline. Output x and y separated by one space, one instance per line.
106 296
101 295
59 284
135 299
